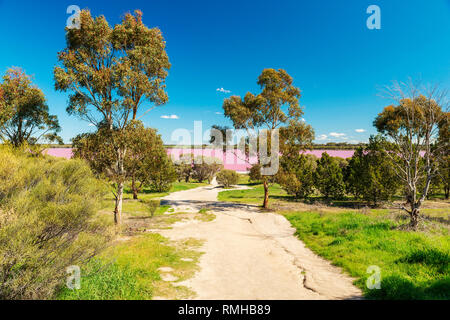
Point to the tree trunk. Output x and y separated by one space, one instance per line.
266 195
447 193
120 184
133 188
118 207
414 218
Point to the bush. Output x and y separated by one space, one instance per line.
183 170
152 206
48 222
227 178
255 173
296 175
205 168
329 178
161 174
370 173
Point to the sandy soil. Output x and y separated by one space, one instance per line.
251 255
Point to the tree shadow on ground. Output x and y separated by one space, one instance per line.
339 203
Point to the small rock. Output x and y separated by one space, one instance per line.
165 269
187 259
168 278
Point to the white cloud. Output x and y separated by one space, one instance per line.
337 135
91 125
223 90
322 137
219 113
173 116
360 130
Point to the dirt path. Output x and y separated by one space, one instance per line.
250 255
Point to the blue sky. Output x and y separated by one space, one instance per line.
337 62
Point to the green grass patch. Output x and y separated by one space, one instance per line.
129 271
414 265
253 196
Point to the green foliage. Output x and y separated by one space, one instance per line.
109 73
227 178
296 174
328 177
417 131
442 179
205 168
146 162
112 70
370 173
24 114
277 106
183 170
200 168
161 173
255 173
413 265
129 271
48 222
152 205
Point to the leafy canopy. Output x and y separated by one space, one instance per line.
112 71
24 113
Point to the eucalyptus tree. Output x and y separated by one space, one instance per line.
416 127
24 113
112 74
146 161
276 107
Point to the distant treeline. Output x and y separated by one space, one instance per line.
327 146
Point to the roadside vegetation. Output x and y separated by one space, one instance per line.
48 221
134 270
413 265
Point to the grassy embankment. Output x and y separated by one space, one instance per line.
414 265
130 268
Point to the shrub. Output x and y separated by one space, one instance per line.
183 171
228 178
370 173
205 168
296 175
328 177
161 174
48 222
152 206
255 173
183 167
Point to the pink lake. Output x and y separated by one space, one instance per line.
233 160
